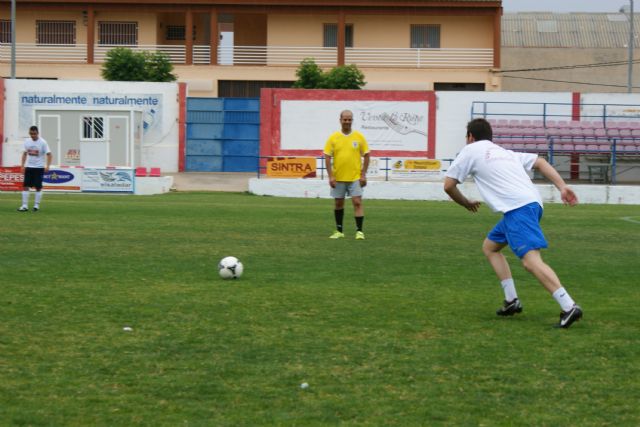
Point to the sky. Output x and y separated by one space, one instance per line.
566 5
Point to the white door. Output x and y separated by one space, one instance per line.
225 48
49 126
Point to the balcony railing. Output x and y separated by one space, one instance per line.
265 55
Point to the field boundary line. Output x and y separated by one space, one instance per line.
631 219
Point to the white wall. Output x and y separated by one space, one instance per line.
454 111
160 143
394 190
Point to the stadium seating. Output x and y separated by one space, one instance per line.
141 171
155 172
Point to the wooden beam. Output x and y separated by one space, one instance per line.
497 38
341 37
188 36
214 36
91 34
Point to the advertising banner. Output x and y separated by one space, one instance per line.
107 180
62 179
291 167
420 169
11 178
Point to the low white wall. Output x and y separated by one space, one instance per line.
391 190
146 185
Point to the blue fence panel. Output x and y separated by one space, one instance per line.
205 131
204 164
204 147
241 131
206 104
205 117
251 117
240 148
242 104
223 134
240 164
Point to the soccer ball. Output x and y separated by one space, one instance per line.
230 268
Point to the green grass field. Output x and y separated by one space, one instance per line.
399 329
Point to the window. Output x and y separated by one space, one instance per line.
425 36
5 31
176 32
247 88
55 32
92 128
458 86
330 35
118 33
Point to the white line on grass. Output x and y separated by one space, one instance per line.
631 219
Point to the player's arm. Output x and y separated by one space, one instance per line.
23 160
327 166
549 172
365 168
451 188
49 158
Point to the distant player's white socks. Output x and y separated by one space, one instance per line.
25 199
563 298
38 198
509 288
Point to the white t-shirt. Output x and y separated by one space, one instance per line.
36 152
500 175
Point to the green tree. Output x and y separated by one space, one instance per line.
344 77
310 76
123 64
158 68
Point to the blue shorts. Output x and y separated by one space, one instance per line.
520 228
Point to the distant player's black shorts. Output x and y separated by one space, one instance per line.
33 178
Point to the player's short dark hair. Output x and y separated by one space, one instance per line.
480 129
33 128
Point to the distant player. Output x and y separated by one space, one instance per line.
502 180
36 159
348 174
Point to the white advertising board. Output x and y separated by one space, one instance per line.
108 180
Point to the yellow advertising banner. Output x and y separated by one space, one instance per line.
291 167
419 164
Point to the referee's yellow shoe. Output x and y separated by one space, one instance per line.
359 235
337 235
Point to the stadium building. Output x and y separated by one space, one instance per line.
233 48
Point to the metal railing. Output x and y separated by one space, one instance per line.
321 168
265 55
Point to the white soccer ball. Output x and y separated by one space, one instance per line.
230 268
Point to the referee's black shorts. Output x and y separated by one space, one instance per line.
33 178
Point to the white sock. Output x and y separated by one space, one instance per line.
563 298
509 288
38 198
25 198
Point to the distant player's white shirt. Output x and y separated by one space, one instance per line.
36 152
500 175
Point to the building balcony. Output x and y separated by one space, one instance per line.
408 58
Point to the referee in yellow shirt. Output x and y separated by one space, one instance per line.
348 174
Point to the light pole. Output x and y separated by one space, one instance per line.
13 39
631 44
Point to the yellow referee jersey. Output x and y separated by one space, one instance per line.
347 152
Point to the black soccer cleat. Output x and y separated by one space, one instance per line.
36 209
568 317
510 308
23 209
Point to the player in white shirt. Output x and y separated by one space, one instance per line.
36 159
502 180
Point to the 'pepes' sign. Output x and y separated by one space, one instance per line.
11 178
291 167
